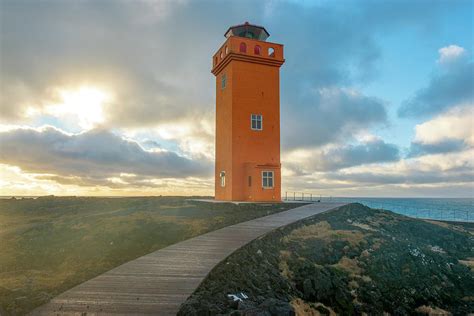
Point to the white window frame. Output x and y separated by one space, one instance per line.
257 118
267 175
222 177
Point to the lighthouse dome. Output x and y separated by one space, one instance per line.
248 30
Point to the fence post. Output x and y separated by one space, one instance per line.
294 196
286 195
311 197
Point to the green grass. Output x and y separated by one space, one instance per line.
50 244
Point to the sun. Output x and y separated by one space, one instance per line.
84 104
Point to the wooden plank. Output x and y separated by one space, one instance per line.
159 282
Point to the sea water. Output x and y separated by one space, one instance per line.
448 209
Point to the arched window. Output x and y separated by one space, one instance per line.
243 47
226 50
257 50
271 52
221 55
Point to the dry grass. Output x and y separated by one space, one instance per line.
351 266
469 262
304 309
363 226
428 310
450 226
283 265
323 230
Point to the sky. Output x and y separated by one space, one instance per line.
117 98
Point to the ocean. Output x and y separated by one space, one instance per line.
447 209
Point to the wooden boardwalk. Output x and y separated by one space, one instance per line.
158 283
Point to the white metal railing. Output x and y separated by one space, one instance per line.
303 197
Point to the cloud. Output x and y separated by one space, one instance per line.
154 57
448 87
16 182
455 124
455 167
328 114
93 157
439 175
448 132
121 46
335 157
354 155
192 136
419 149
450 54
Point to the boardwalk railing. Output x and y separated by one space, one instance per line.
303 197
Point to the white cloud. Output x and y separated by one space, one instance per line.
193 135
17 182
455 124
450 53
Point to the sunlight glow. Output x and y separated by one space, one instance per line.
86 104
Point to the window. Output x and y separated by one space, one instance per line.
257 50
223 81
271 52
221 55
243 47
250 181
222 176
226 50
267 179
256 122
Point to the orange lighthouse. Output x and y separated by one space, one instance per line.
247 70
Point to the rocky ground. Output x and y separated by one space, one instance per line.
350 261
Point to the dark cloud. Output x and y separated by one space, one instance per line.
326 115
92 156
355 155
334 46
452 87
347 156
156 55
447 146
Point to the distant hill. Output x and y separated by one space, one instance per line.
349 261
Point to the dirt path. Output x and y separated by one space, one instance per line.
158 283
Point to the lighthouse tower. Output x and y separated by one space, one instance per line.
247 70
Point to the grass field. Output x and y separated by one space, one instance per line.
50 244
